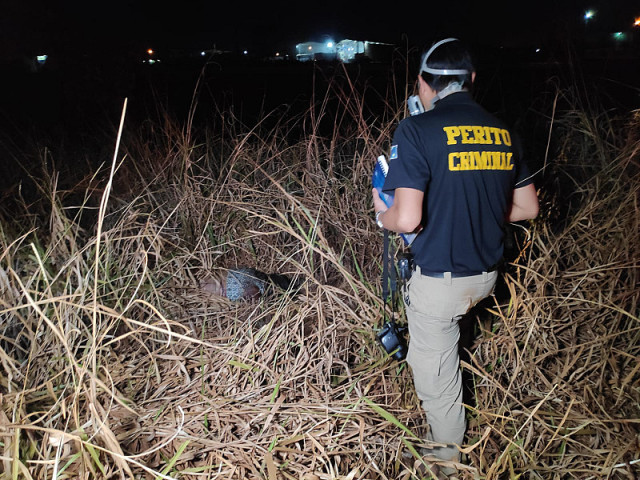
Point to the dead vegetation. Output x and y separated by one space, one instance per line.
115 365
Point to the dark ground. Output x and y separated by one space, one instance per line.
72 105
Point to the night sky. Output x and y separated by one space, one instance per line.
97 54
263 27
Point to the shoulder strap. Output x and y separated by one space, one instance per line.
389 280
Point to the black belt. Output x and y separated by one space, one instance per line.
428 273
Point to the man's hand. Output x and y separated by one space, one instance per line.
405 214
378 204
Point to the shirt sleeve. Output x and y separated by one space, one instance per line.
408 165
523 175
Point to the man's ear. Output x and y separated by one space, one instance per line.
422 84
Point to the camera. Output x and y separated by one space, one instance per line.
391 337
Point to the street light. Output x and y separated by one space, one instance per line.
588 15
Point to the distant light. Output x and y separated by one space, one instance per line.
310 47
245 52
42 58
619 36
150 51
203 53
636 22
277 54
151 61
588 15
537 50
329 44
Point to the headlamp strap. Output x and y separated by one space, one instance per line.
441 71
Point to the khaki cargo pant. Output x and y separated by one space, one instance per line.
434 307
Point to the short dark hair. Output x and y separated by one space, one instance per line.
451 55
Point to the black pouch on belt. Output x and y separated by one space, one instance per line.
405 265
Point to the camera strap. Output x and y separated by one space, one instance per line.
390 336
388 273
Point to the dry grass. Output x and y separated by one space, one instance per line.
114 364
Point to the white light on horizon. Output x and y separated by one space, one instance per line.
619 36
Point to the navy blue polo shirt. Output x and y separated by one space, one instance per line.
465 161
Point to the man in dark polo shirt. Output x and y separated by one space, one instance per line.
457 177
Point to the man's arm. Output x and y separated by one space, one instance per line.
405 214
524 204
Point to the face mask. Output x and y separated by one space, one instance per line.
415 105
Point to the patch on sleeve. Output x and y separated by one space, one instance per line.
394 152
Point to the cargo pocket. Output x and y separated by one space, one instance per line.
427 370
